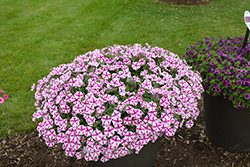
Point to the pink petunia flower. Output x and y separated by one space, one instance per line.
136 65
79 155
109 131
146 84
140 129
127 120
136 113
60 138
65 109
138 146
151 106
116 121
116 114
87 131
89 119
50 142
74 121
127 61
142 62
77 108
115 141
97 135
70 151
103 140
106 75
1 100
6 96
80 130
189 124
130 136
32 87
106 120
169 131
122 74
136 79
144 139
104 159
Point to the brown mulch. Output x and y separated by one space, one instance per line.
186 2
189 147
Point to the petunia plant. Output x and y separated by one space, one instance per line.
111 102
224 67
3 96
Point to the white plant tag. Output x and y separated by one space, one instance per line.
247 19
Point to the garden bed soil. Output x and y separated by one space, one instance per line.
189 147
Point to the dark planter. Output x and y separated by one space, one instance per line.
225 125
145 158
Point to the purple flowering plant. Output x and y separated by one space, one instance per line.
111 102
224 67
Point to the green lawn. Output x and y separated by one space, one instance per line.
38 35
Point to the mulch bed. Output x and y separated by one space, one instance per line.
186 2
189 147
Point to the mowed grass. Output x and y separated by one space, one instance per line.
36 36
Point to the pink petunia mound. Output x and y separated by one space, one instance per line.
111 102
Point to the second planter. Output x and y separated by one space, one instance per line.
225 125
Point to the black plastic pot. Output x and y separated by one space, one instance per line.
225 125
145 158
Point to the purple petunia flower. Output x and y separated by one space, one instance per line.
239 108
231 68
216 85
223 72
218 59
207 85
218 90
239 76
219 77
212 63
247 96
239 82
233 73
228 84
216 72
209 79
